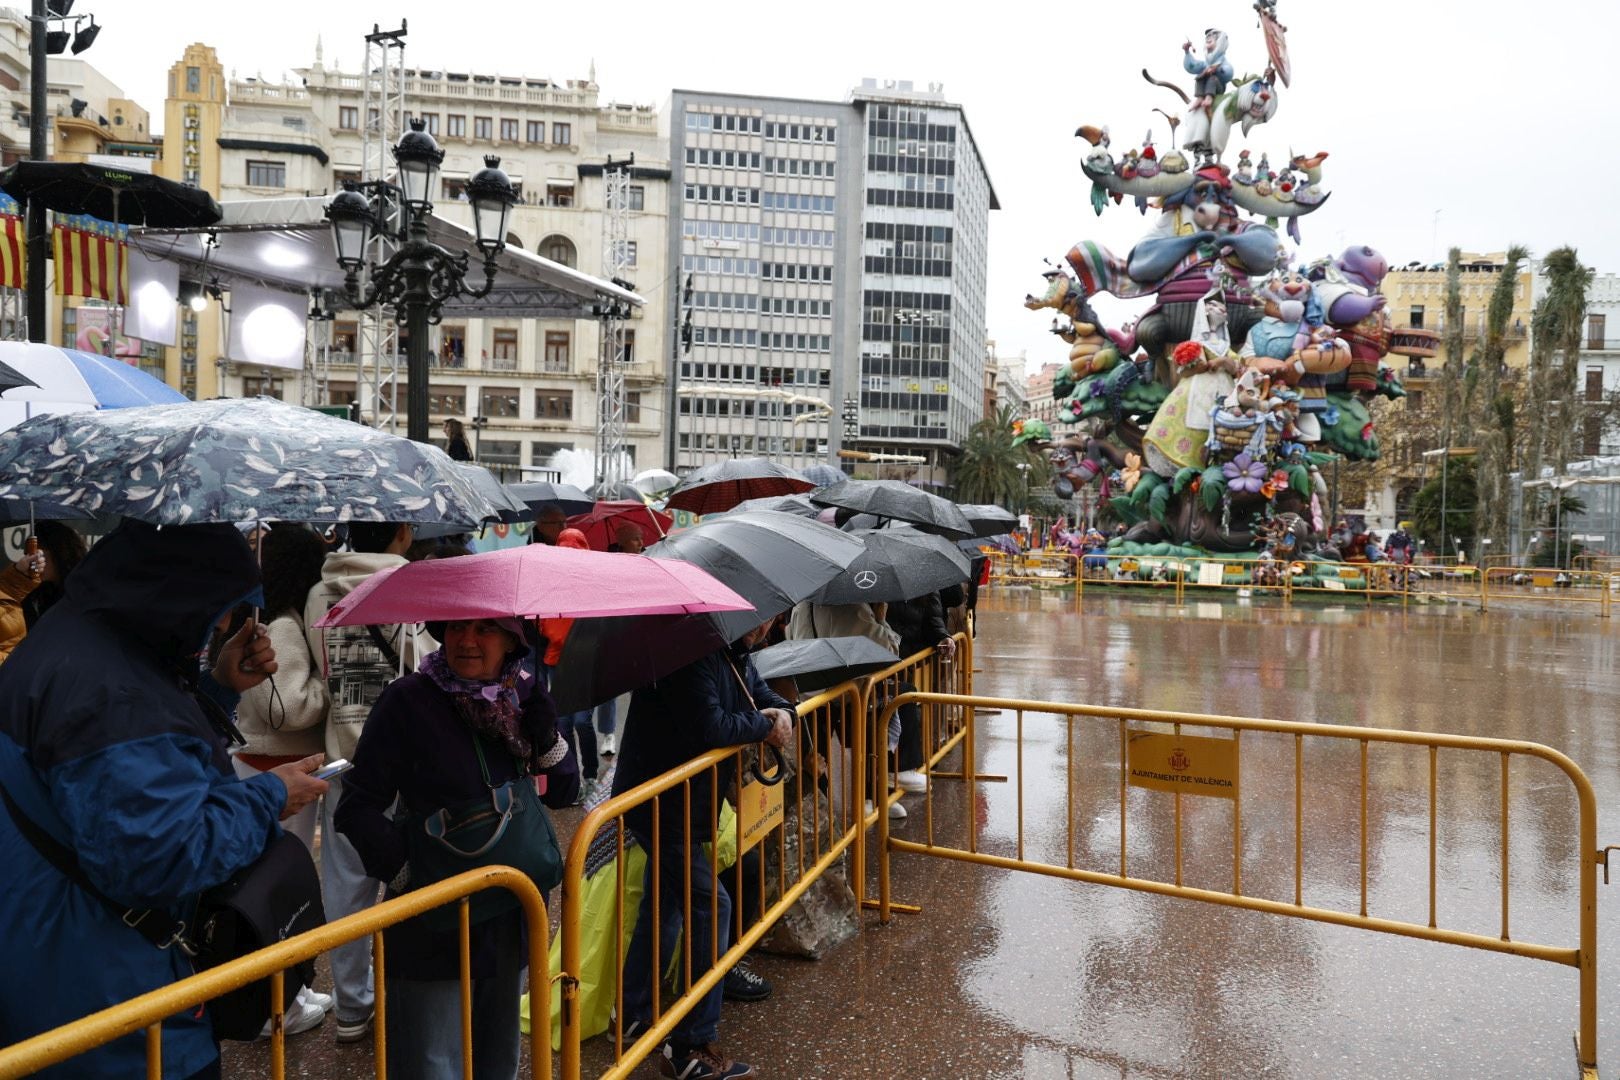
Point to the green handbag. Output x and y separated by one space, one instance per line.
507 827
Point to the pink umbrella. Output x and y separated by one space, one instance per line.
533 582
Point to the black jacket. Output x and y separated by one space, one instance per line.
919 622
701 707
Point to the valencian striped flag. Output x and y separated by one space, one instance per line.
88 251
13 241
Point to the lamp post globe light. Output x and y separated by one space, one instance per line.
419 278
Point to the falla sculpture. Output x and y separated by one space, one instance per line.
1246 374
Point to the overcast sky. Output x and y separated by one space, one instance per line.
1448 122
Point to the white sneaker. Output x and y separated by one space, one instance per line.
607 745
326 1002
896 811
912 782
302 1017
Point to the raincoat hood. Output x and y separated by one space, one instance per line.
343 571
165 587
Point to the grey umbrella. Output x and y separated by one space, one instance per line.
508 508
897 564
536 494
898 502
823 475
722 485
987 519
233 460
773 560
817 663
799 505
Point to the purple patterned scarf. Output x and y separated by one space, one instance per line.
490 707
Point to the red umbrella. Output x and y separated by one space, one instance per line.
605 518
536 581
720 486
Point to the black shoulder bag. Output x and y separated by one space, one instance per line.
274 898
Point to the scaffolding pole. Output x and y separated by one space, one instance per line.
383 122
612 444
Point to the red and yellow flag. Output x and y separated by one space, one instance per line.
86 262
13 251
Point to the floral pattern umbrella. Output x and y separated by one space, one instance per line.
233 460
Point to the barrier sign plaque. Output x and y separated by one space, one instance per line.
1185 764
759 810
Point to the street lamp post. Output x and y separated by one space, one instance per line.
42 42
420 277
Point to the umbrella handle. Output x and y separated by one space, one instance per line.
781 766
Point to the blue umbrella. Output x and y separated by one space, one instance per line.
67 380
233 460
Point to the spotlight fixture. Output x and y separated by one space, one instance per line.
59 8
56 42
85 36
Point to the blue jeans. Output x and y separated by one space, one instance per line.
711 918
607 717
584 739
424 1020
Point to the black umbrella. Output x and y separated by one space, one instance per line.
898 564
773 560
11 378
536 494
111 194
823 475
817 663
897 501
720 486
987 519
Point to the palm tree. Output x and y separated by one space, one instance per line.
1494 429
990 469
1454 418
1562 318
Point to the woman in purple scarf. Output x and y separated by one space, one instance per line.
421 745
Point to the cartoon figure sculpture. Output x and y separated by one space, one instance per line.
1239 369
1213 71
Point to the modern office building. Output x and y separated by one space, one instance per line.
835 253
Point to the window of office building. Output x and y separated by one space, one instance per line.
509 131
559 249
629 354
432 123
456 126
348 117
562 134
500 451
504 345
499 402
553 404
483 128
1596 328
269 174
541 453
258 386
556 359
637 197
447 400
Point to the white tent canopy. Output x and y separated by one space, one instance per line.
287 244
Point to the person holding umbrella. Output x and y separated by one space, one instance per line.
716 701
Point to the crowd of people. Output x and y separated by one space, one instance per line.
167 720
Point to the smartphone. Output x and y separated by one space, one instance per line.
333 768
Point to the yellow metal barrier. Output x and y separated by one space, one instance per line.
1546 584
1241 732
1134 571
825 722
148 1011
1056 568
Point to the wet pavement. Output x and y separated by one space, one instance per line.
1008 974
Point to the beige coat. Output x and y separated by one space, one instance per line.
292 719
355 669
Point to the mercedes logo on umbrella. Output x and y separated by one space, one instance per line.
866 579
